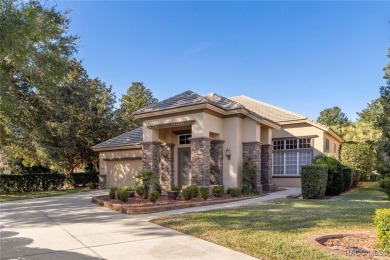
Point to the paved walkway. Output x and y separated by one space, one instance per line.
71 227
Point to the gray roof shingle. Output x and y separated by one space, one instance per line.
129 138
274 113
189 98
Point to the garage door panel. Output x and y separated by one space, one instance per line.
122 173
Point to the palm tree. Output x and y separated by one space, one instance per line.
145 178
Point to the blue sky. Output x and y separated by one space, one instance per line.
303 56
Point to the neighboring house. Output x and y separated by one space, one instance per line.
205 140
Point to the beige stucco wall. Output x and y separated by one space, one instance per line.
302 129
120 172
332 141
287 182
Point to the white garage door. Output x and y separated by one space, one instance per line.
122 172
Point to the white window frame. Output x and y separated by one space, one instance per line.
298 151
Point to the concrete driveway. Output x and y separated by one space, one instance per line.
71 227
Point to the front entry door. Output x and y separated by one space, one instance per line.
184 168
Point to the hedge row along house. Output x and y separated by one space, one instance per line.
205 140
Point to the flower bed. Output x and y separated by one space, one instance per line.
138 205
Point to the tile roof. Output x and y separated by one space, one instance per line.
189 98
129 138
274 113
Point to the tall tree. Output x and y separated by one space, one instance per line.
333 117
384 120
137 97
34 49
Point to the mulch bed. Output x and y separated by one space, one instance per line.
139 205
356 246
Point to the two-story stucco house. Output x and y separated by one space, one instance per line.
205 140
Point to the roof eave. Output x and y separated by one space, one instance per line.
117 148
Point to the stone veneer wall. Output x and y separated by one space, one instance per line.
252 154
216 162
167 166
200 161
151 156
266 167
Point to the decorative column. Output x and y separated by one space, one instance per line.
151 156
200 161
252 155
167 166
266 167
216 162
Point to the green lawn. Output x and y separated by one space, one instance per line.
39 194
279 229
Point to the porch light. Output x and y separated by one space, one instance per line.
228 153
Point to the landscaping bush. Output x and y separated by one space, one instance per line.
112 193
382 226
139 190
194 190
218 190
30 182
176 188
358 156
83 178
204 192
335 183
384 184
234 192
186 194
314 181
145 179
249 181
154 195
355 178
348 178
122 195
127 188
91 185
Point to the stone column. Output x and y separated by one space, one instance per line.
216 162
151 156
266 168
200 161
252 155
167 166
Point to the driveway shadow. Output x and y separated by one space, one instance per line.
13 247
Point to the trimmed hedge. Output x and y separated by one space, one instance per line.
384 184
335 184
31 182
314 179
355 178
348 178
204 192
83 178
382 226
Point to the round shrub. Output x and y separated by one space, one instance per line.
204 192
382 225
235 192
123 195
314 179
194 190
112 193
154 195
139 190
186 194
348 178
126 188
218 190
